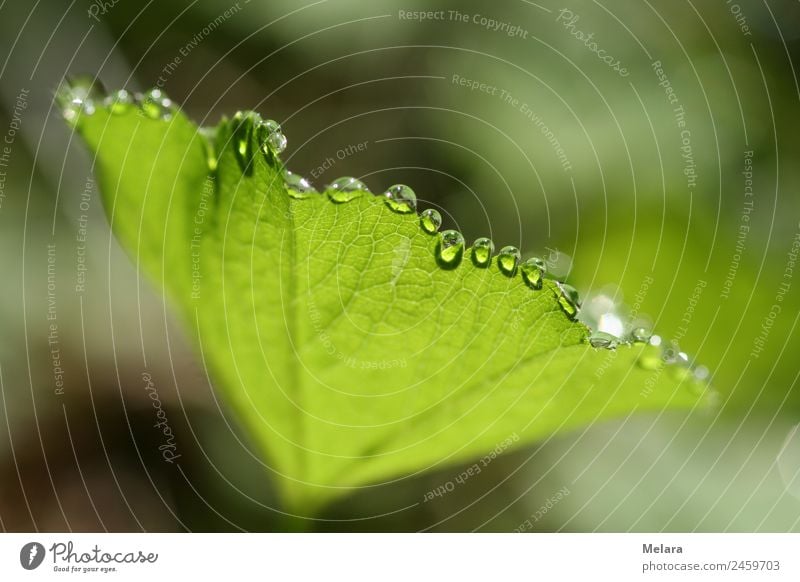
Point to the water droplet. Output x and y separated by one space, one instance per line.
508 259
297 186
78 95
72 108
400 198
670 353
156 105
270 136
120 102
430 220
640 335
655 340
568 299
533 271
482 251
451 248
346 189
277 142
601 339
603 310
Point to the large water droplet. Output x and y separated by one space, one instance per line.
346 189
482 251
533 271
430 220
270 136
508 259
568 299
451 248
401 198
156 105
277 142
297 186
602 310
601 339
120 102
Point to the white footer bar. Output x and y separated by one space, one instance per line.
401 557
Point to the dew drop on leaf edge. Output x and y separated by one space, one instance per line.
640 335
78 95
277 142
670 352
451 247
400 198
430 220
533 271
156 105
601 339
297 186
568 300
482 251
346 188
270 136
119 102
508 260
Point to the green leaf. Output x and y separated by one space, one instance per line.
348 353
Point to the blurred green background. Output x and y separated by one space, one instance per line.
559 154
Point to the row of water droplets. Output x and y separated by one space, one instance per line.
608 328
612 326
81 95
603 316
451 246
